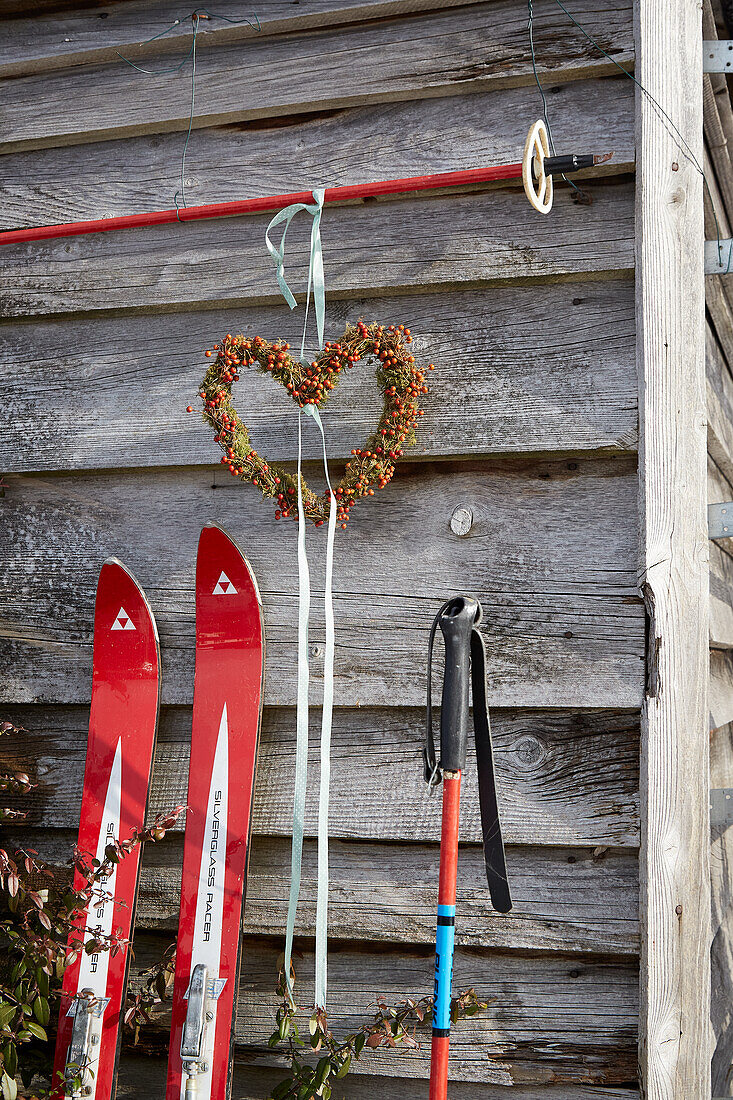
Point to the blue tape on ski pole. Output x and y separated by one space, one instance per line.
444 944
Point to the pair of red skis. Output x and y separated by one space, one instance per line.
224 739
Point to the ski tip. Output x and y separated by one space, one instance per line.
216 530
114 562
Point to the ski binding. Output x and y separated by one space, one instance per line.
86 1010
202 993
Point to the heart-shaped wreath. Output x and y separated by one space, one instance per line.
402 383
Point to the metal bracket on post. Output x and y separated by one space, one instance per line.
719 257
717 56
86 1034
720 520
721 806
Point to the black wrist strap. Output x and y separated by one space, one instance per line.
494 856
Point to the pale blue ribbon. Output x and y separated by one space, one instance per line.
316 282
316 277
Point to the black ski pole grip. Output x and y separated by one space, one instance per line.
456 623
570 162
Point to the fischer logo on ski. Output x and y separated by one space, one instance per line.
123 621
122 728
224 741
224 586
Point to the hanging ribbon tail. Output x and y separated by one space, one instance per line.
316 285
301 721
326 726
494 856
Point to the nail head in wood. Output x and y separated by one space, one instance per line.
461 521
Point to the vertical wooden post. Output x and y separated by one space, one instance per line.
675 882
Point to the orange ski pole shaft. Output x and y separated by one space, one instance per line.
445 935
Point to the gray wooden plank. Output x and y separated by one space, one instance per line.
446 52
393 247
565 899
331 148
720 688
719 312
719 397
552 554
721 598
721 953
721 854
40 41
567 778
552 1020
578 394
254 1083
719 490
674 1059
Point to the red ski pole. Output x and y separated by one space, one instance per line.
465 662
445 935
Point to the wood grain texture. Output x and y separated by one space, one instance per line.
570 900
40 41
253 1083
718 289
135 377
718 118
564 624
440 53
563 779
721 688
721 597
721 955
721 567
328 148
719 394
426 242
551 1021
675 876
720 314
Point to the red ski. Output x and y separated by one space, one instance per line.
227 705
122 729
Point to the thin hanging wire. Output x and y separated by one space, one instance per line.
581 195
196 16
182 189
667 122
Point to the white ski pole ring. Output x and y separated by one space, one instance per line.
538 186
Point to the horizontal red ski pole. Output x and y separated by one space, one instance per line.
264 204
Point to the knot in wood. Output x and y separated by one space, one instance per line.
529 751
461 521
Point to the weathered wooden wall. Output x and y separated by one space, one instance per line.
719 360
531 422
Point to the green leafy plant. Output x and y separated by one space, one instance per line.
42 931
312 1078
392 1026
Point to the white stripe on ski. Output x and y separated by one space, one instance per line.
207 928
100 918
